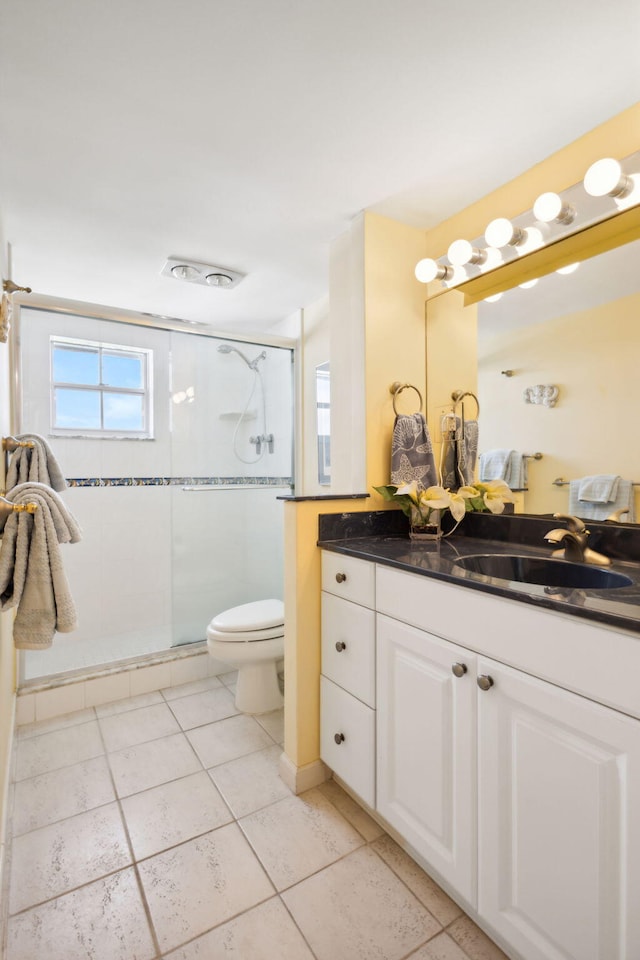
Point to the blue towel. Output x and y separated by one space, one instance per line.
600 511
495 464
601 488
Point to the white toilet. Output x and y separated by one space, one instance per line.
251 638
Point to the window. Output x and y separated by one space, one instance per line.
100 389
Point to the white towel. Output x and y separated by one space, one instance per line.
495 464
600 511
35 464
32 577
601 488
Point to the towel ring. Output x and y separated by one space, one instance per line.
397 388
459 395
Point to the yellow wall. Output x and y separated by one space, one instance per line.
589 355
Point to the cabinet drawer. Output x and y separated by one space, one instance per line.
353 758
349 577
349 646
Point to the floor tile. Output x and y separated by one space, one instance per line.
149 764
39 727
357 909
138 726
60 748
251 782
351 810
473 941
441 947
228 739
194 887
273 723
53 860
172 813
297 836
201 708
188 689
61 793
265 933
129 703
102 921
425 888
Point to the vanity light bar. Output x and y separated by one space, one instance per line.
609 186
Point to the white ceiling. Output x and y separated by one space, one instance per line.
249 133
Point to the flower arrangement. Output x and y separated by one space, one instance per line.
424 507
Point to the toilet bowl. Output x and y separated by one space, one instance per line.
250 638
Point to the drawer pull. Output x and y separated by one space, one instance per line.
459 669
485 682
341 577
339 738
340 646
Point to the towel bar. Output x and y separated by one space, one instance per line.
6 508
561 482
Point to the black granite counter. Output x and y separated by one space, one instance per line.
382 537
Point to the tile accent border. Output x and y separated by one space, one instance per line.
180 481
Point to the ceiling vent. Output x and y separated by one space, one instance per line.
192 271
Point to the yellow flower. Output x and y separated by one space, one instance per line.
408 490
434 498
457 505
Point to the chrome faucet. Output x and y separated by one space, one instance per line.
574 537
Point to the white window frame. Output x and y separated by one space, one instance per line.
146 391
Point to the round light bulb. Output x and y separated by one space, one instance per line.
428 270
502 233
606 178
531 240
219 279
184 271
549 208
570 269
493 259
528 284
494 298
457 275
462 252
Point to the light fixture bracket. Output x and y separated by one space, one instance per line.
199 272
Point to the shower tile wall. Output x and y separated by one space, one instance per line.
156 562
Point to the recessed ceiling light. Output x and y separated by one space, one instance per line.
219 279
184 271
208 274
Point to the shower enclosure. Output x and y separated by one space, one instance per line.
176 446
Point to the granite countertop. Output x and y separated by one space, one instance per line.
618 606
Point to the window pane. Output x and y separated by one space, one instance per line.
77 408
122 370
76 366
123 411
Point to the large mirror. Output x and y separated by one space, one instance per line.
578 332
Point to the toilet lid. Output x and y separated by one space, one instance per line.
259 615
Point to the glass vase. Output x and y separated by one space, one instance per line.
421 530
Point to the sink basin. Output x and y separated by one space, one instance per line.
544 571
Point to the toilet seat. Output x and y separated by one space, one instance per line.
260 620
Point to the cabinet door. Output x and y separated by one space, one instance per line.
559 786
426 735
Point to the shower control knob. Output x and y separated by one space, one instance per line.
485 682
340 646
341 577
459 669
339 738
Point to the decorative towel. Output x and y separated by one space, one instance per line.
459 453
35 464
412 452
601 488
507 465
600 511
31 573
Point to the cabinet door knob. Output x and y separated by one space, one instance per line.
341 577
340 646
459 669
485 682
339 738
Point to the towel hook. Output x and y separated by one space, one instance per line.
397 388
10 444
7 508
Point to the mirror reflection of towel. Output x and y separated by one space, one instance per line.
624 498
459 453
412 452
507 465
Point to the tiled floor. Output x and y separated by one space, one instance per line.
158 827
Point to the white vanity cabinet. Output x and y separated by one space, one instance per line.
347 683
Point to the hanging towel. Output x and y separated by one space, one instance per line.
517 472
601 488
32 577
459 453
495 465
624 498
412 452
35 464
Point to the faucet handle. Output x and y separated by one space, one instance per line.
573 523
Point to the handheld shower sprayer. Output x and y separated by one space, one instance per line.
263 441
252 364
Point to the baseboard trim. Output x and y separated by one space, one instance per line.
299 779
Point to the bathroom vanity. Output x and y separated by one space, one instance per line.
495 727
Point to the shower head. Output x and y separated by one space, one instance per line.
252 364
